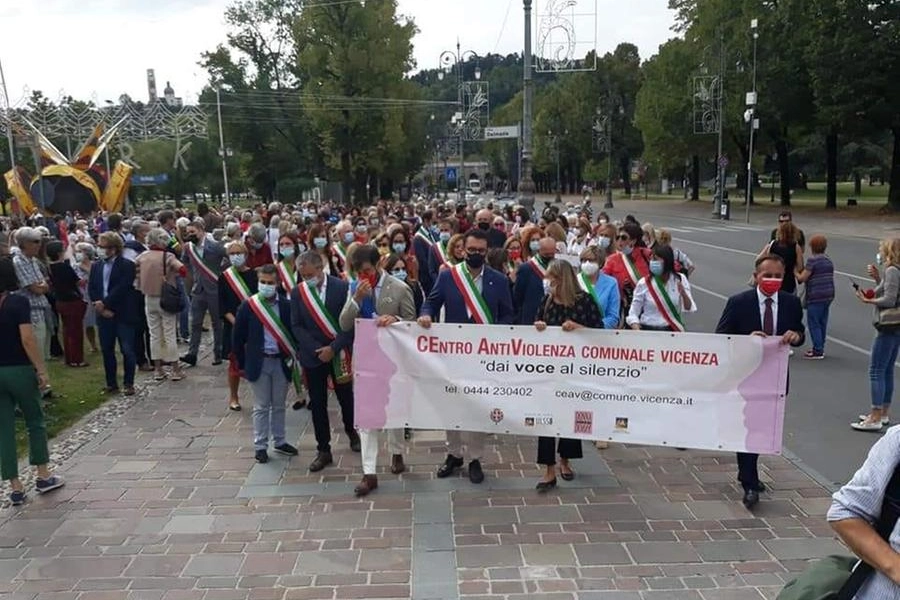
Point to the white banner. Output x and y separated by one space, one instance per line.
705 391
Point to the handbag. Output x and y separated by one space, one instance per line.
170 298
834 577
888 319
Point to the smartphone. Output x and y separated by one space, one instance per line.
855 285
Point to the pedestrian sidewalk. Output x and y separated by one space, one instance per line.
167 503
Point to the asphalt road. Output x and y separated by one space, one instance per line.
825 395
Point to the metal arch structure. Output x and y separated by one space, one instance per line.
566 34
707 94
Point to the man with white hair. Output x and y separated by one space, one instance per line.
259 252
345 237
32 284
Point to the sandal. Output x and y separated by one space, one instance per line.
235 407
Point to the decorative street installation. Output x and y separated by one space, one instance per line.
689 390
566 35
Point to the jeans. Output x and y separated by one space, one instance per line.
881 368
110 331
817 319
269 394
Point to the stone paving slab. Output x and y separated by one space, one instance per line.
168 504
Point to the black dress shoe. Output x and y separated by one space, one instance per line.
322 460
216 362
298 404
760 487
262 456
543 486
751 498
354 441
476 475
189 359
449 467
286 450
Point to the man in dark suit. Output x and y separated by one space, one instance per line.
529 289
204 256
111 291
484 220
450 292
763 311
423 243
263 346
323 350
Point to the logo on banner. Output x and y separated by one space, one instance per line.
496 415
584 422
532 420
622 423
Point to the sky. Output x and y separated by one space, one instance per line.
100 49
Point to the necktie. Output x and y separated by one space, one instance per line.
769 319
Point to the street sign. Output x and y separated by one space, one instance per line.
499 133
450 174
723 162
150 179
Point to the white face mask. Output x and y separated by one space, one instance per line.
237 260
267 290
102 253
546 286
603 242
590 268
79 256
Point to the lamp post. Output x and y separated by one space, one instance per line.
608 121
222 150
448 60
750 117
554 143
526 185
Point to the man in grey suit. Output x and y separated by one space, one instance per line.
376 295
204 256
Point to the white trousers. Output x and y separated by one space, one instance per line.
473 439
163 343
369 442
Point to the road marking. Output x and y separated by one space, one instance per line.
835 340
745 253
676 229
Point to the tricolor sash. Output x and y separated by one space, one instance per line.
585 283
538 267
475 304
631 269
236 283
199 264
270 320
420 233
440 249
664 303
287 276
341 253
328 325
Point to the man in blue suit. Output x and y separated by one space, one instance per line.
458 289
111 291
763 311
423 243
529 289
263 346
323 350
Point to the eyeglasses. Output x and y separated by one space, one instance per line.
623 237
476 250
384 245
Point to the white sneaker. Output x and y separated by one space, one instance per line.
885 420
867 426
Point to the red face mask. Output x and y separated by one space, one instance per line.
515 254
769 285
372 279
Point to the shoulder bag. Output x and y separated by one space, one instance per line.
888 319
841 577
170 298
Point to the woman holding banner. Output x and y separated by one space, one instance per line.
568 307
662 297
236 285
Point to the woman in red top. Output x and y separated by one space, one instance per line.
630 264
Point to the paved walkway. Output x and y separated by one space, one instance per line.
169 504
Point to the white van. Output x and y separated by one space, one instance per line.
475 186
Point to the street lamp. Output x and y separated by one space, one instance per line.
526 184
448 60
554 143
750 117
609 152
222 149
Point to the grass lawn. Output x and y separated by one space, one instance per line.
76 392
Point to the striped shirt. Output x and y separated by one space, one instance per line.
820 285
861 498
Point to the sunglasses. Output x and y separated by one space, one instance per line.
623 237
476 250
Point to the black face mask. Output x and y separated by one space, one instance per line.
191 238
475 261
484 226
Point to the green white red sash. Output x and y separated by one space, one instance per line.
199 264
631 269
328 325
268 317
236 283
475 304
585 283
341 252
287 277
440 248
664 303
421 233
535 263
